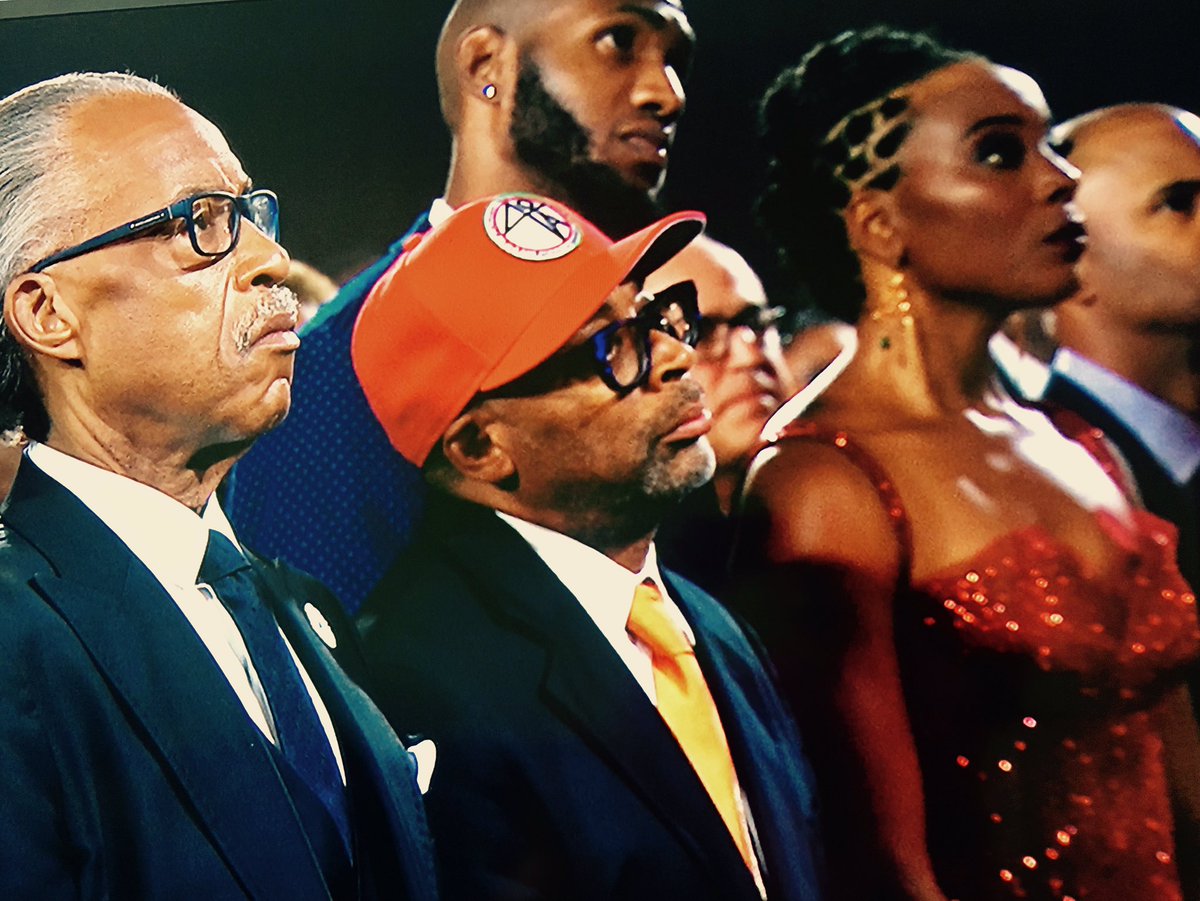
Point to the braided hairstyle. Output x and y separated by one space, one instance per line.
831 124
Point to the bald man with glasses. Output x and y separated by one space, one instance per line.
172 720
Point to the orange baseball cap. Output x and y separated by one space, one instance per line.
485 297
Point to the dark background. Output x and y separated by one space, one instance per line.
333 102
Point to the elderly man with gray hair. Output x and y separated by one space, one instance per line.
172 722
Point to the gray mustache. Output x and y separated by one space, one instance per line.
276 300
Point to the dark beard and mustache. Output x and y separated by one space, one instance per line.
551 143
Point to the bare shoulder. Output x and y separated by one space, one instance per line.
814 503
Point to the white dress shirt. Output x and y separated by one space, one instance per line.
604 588
1168 433
170 540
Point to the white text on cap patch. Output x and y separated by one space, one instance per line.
530 229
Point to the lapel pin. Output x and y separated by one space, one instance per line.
424 757
320 625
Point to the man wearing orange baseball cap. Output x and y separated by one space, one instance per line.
604 729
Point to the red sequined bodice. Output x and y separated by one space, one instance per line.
1037 691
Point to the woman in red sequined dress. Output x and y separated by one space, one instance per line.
983 635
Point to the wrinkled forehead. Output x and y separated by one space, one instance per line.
131 154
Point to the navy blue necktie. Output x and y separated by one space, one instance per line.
301 738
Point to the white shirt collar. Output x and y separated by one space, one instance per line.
603 587
165 535
439 212
1169 434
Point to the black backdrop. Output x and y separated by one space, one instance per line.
333 102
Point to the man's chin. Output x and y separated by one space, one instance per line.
647 178
267 414
614 204
276 402
691 466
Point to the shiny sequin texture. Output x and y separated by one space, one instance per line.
1037 693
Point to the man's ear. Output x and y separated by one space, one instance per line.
487 65
871 226
40 318
470 445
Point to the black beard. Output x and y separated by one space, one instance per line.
552 144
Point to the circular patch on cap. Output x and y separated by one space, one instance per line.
529 228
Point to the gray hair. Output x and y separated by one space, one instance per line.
36 177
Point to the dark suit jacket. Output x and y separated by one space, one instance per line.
556 777
1161 495
131 770
351 500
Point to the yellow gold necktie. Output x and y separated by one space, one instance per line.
687 707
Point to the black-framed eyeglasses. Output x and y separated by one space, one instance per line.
716 332
622 350
213 221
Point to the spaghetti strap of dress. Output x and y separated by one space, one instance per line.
868 465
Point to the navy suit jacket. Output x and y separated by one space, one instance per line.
1160 493
556 777
131 769
326 491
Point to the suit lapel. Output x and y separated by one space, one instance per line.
394 846
588 686
153 659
